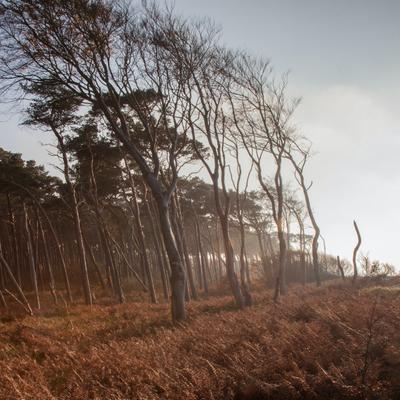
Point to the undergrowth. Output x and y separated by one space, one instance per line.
336 342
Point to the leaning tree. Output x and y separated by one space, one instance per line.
105 55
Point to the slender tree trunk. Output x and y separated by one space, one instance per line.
52 284
77 222
31 258
159 249
339 264
201 253
218 251
230 260
189 267
313 222
263 256
81 249
57 243
280 287
140 236
177 272
178 239
95 264
243 280
355 275
14 239
248 276
128 265
15 283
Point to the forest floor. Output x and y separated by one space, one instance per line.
335 342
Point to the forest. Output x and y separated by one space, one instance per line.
173 249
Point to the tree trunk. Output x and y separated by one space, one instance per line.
31 258
339 264
355 252
77 221
15 283
280 287
52 284
177 271
200 251
243 278
189 268
230 264
14 239
158 248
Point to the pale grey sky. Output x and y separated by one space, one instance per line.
344 61
344 58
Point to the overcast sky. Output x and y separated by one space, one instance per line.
344 61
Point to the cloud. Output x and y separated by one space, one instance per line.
356 170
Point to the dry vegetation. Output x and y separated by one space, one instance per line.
335 342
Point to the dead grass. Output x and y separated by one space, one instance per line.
313 345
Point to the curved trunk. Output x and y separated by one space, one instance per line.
315 260
315 256
177 278
355 252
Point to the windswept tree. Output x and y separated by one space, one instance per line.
261 117
105 55
298 153
199 60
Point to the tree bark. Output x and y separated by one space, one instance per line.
355 275
177 272
339 264
31 259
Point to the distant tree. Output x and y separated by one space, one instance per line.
298 155
355 269
53 112
261 116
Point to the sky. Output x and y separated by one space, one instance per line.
344 62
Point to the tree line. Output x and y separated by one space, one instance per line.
137 99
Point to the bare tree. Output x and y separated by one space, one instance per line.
111 58
339 264
299 163
355 272
240 198
261 116
200 60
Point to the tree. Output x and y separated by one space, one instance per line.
355 271
261 118
104 55
299 164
